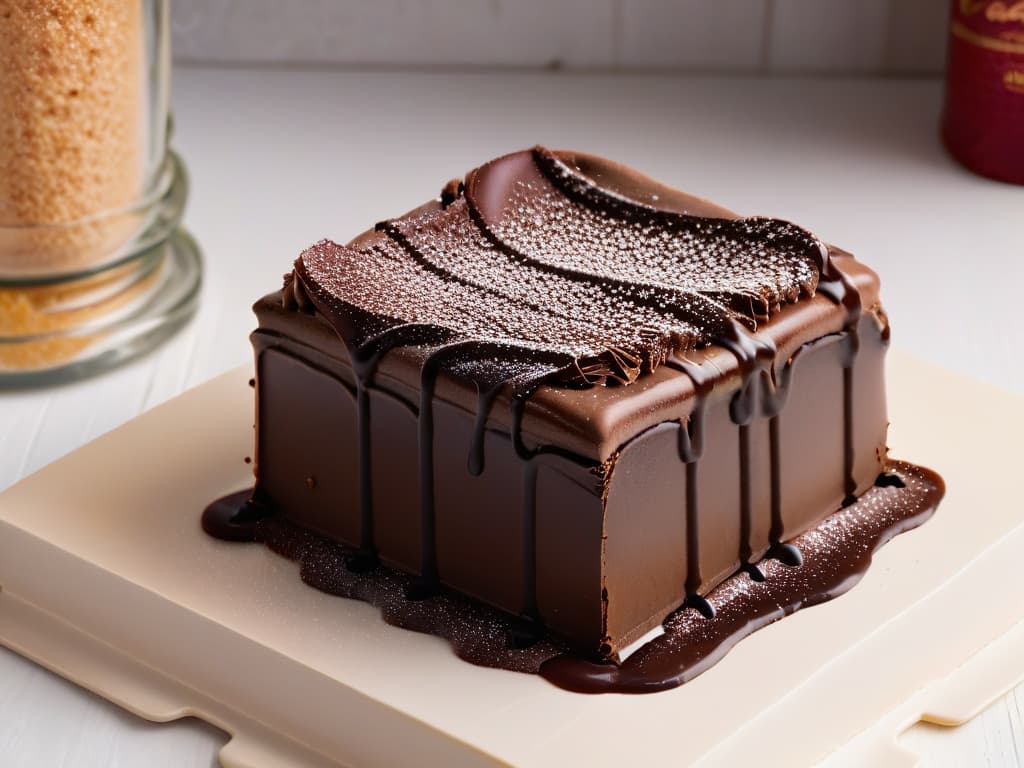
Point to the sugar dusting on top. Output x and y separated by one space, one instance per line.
575 224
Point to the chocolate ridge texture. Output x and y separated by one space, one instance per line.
566 278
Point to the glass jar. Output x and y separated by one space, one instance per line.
94 268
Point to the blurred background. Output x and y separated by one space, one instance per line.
753 37
750 37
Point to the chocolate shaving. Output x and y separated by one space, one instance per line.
451 192
294 296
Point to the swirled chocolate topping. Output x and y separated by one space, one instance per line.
533 270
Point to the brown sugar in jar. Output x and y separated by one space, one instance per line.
90 197
71 96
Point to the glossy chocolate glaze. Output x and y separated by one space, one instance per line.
835 555
499 312
539 273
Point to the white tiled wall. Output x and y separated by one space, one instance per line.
733 36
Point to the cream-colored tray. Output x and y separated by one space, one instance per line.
107 579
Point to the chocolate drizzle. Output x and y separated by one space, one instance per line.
836 555
696 636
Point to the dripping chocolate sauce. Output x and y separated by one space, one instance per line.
763 390
902 498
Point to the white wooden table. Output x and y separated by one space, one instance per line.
282 158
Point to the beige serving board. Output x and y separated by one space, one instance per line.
107 579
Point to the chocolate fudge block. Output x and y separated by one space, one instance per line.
571 393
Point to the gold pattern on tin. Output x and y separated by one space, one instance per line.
1013 79
984 41
996 11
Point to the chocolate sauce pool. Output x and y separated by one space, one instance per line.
835 555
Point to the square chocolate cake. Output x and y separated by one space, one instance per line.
571 393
